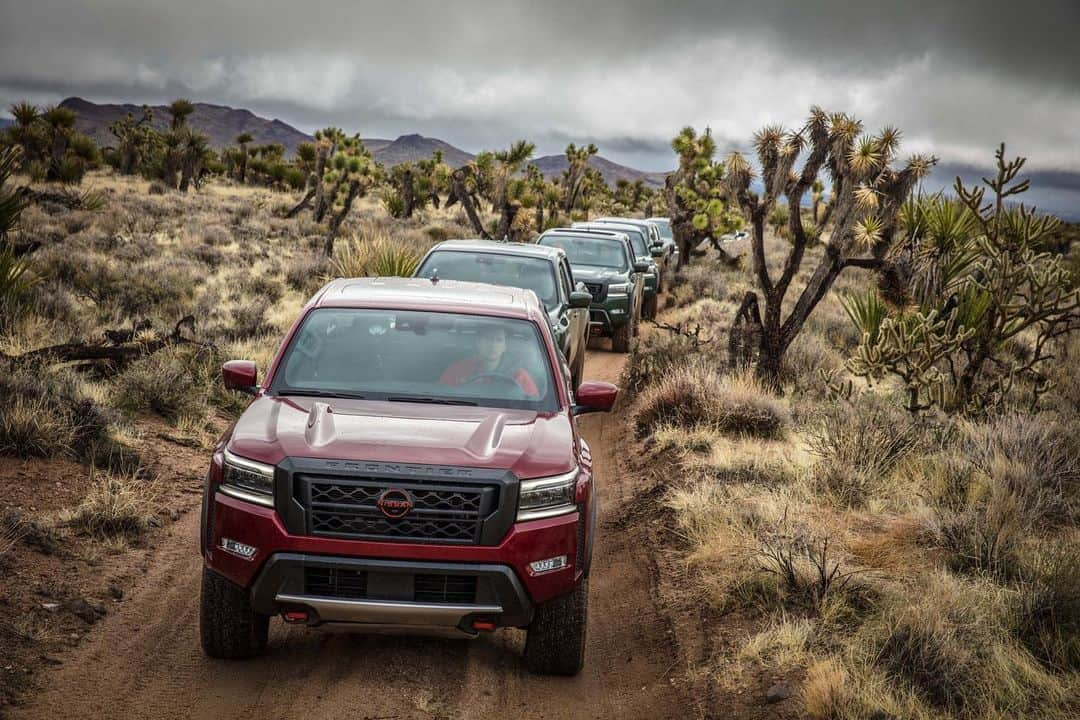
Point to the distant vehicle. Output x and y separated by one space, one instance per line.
667 236
734 237
411 463
605 262
544 270
645 252
656 237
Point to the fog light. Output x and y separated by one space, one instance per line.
616 311
543 566
238 548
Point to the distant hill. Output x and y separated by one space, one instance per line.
220 123
5 122
554 166
410 148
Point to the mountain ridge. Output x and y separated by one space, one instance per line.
222 124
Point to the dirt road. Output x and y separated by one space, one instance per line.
144 661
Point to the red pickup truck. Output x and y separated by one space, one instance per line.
410 463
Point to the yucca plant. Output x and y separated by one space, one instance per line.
15 277
374 256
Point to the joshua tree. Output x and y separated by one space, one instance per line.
970 276
508 189
868 197
24 132
194 149
697 196
577 159
242 157
136 141
463 190
817 188
14 277
353 173
179 110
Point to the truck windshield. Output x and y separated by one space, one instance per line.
531 273
418 356
595 251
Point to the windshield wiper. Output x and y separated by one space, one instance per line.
321 393
430 400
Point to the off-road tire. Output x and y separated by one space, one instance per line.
555 643
648 310
230 629
621 336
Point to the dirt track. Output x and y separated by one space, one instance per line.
144 661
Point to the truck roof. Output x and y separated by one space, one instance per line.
423 294
501 248
612 234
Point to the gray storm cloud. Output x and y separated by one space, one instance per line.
957 77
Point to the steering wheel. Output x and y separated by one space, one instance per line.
496 378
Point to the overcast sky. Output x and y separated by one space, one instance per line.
956 77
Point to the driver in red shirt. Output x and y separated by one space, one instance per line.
489 361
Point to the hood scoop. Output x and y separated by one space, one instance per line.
320 429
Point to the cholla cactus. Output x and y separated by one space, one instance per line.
976 280
868 194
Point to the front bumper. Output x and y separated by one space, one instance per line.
391 595
614 312
504 578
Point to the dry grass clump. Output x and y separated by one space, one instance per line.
166 383
47 415
114 505
696 395
860 444
307 273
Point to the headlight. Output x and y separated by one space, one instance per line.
547 497
248 480
618 289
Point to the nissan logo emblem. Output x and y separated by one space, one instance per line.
394 503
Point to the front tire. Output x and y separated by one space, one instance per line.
229 628
555 644
620 337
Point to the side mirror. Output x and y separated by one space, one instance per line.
580 299
657 251
239 375
593 396
640 267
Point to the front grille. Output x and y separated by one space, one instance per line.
597 290
445 588
340 507
335 582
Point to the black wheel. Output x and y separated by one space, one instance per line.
620 338
229 628
648 310
555 643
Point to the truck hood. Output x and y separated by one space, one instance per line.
527 443
587 273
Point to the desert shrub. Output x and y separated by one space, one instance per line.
1048 620
216 235
307 273
248 318
860 444
164 383
157 188
693 283
653 358
114 505
439 233
697 395
44 415
208 255
949 642
268 288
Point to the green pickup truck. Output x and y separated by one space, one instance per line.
544 270
606 263
646 251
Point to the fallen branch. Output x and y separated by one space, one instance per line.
114 353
